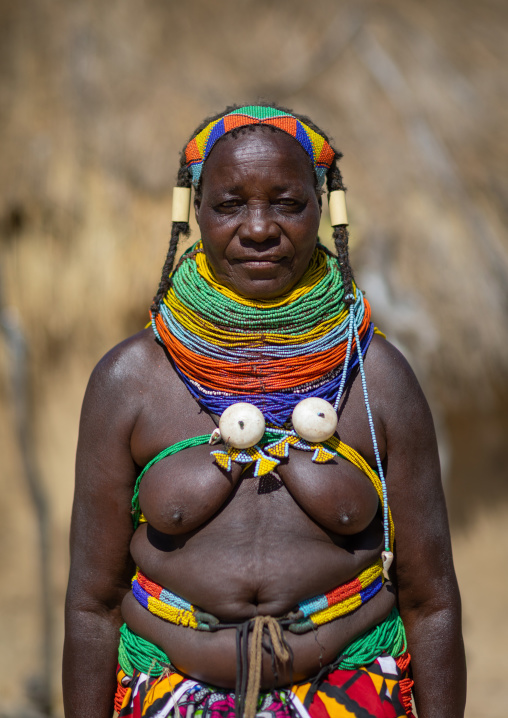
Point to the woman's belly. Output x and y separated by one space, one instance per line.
260 555
243 576
212 657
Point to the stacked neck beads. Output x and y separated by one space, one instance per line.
284 361
270 353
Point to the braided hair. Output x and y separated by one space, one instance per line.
184 179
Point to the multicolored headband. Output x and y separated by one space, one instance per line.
315 145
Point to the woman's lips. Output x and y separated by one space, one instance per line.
259 260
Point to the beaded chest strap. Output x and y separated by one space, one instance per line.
333 446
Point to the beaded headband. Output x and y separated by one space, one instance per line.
314 144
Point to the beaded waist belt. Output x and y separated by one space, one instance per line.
308 614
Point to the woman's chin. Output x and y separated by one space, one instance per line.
260 280
261 289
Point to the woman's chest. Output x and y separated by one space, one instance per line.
170 414
184 491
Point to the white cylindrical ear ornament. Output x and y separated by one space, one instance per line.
181 204
337 207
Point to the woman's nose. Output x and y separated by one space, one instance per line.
258 225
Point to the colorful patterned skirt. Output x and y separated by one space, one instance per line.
378 690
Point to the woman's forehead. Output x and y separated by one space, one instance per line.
254 150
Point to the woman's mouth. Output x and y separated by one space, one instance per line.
259 261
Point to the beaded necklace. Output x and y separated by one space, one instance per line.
271 354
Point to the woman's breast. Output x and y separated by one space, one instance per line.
184 491
336 494
181 492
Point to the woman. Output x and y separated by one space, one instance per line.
263 575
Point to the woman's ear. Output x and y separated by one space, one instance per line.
197 207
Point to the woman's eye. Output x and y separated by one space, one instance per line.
229 205
289 203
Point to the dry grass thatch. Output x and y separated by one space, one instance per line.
97 101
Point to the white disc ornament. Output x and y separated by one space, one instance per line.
242 425
314 419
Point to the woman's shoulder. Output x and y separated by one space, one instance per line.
392 384
127 370
129 360
384 359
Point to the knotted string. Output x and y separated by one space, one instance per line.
248 682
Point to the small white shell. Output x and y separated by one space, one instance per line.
314 419
242 425
387 559
215 436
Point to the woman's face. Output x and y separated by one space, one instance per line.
258 212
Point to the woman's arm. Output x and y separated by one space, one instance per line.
428 594
101 530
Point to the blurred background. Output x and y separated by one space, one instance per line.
96 101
